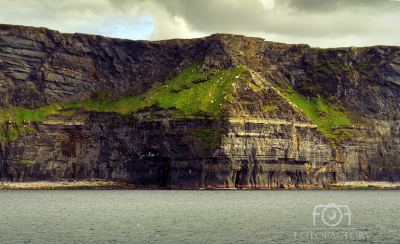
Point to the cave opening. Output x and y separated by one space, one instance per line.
163 172
237 179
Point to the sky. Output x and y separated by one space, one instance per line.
319 23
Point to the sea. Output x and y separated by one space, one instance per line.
200 216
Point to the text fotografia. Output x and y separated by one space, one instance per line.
331 221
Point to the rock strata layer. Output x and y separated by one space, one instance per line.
266 139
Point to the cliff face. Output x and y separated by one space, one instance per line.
223 111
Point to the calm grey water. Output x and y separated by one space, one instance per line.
199 216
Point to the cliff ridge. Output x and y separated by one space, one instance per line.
221 111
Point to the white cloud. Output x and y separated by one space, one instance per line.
268 4
85 16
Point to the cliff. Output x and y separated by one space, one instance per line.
222 111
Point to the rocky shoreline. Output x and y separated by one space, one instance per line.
86 184
367 184
101 184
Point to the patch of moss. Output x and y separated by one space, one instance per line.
333 65
69 112
340 134
254 87
365 66
269 108
323 112
19 115
317 88
28 164
210 137
363 49
10 132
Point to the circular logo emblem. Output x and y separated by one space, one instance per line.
332 215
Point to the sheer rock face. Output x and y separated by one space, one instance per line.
277 148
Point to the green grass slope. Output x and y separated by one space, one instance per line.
192 95
329 115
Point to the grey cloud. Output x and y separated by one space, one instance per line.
246 17
324 6
208 15
317 22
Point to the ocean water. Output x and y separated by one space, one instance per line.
199 216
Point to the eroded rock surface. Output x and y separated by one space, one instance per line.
278 147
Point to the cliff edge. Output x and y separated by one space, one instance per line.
220 111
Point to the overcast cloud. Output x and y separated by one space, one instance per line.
320 23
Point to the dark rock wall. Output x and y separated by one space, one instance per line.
66 67
163 153
273 149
